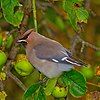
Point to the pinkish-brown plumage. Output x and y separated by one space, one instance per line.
46 55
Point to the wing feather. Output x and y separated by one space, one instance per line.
55 52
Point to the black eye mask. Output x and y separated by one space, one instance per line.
23 38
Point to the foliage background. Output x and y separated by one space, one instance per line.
52 23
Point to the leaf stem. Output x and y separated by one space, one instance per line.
34 14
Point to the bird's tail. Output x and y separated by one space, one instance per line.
75 62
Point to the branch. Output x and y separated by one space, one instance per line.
9 74
88 44
74 43
87 4
18 82
34 14
1 86
96 85
76 39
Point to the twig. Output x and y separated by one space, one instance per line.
76 39
73 44
34 14
93 84
42 5
13 31
9 74
1 86
18 82
87 4
88 44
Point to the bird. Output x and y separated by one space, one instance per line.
47 55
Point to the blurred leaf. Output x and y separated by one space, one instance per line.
9 41
53 17
75 12
11 17
32 89
59 22
50 86
0 14
32 78
51 14
1 40
40 95
97 53
87 72
76 82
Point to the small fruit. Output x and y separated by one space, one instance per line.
23 68
87 72
3 58
21 57
3 95
59 92
2 76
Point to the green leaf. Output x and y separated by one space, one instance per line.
67 5
76 1
40 95
82 15
72 19
50 86
31 90
76 12
11 17
76 82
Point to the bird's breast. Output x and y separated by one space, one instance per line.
48 68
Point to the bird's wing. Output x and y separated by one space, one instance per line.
55 52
